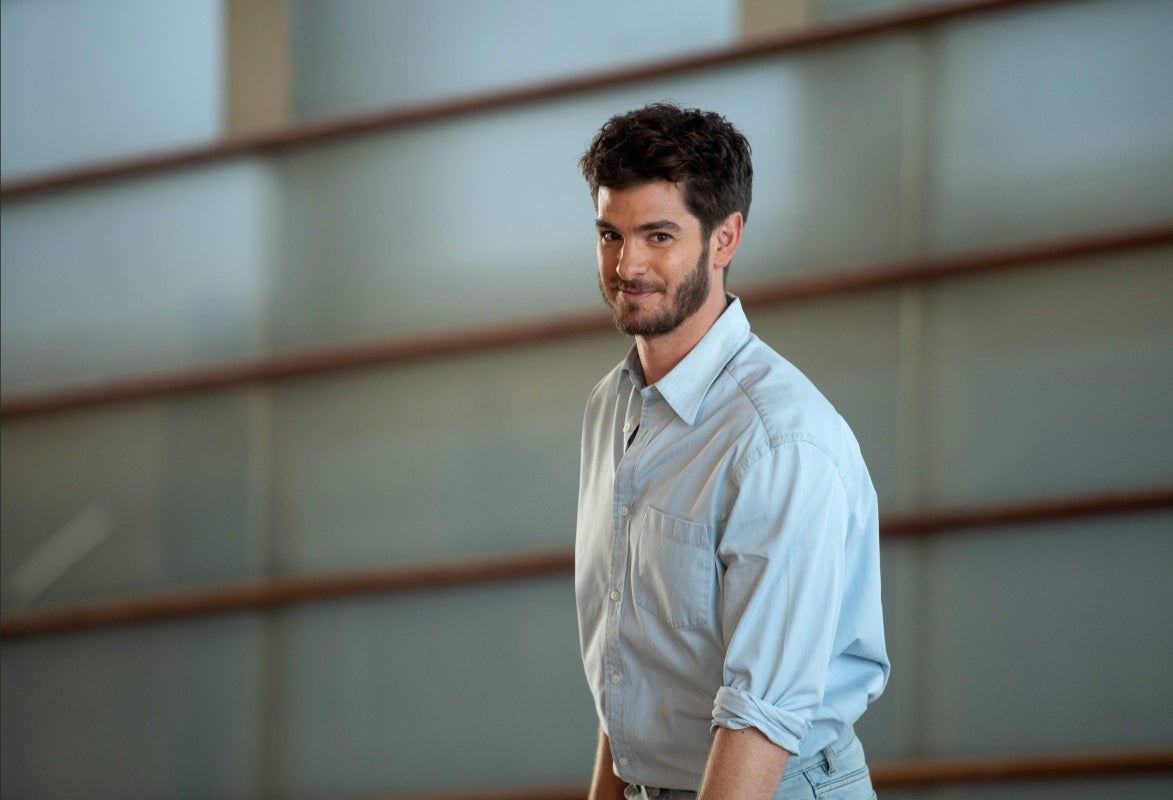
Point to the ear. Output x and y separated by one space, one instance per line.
725 239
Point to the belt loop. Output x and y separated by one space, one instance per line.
829 755
643 792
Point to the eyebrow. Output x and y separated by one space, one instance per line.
657 225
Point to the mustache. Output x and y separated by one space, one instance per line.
620 285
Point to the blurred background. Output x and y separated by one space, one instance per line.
299 315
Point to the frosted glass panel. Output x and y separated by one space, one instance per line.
890 728
85 81
1051 121
1051 381
470 689
136 498
366 53
1049 638
435 228
129 277
467 456
458 223
827 189
849 347
158 712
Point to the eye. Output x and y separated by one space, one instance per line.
661 238
608 236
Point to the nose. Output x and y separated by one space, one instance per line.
628 263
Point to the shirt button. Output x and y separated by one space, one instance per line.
627 427
615 595
623 512
615 677
623 762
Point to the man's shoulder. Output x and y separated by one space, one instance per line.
787 404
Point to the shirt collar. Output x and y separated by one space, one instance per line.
685 387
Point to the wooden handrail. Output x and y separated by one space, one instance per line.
286 591
938 771
932 522
908 774
277 592
934 268
282 367
909 272
312 133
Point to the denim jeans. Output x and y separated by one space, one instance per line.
837 773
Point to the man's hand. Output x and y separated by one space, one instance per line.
743 765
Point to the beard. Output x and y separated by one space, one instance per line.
685 301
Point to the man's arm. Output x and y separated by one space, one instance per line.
605 785
743 765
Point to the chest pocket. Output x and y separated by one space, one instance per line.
672 561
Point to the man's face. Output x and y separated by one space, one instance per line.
653 263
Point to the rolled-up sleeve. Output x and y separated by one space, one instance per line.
782 552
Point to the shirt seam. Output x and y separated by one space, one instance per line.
775 440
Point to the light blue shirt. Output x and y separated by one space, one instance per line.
727 566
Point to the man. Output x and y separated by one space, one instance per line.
727 555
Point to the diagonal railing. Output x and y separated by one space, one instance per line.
307 134
365 355
259 595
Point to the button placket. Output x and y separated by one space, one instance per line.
624 497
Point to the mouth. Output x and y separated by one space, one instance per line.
634 294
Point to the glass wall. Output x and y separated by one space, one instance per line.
83 81
1008 127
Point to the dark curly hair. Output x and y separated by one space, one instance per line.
699 150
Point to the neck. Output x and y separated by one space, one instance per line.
659 355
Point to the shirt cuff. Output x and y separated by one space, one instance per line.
738 709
